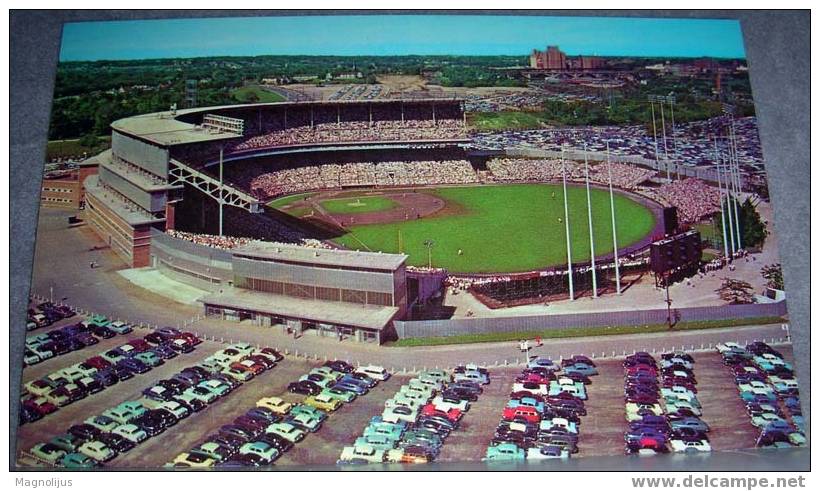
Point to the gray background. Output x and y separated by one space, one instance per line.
778 53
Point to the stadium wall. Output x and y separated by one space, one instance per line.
201 266
453 327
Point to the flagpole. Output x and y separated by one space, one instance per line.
729 211
566 224
655 133
735 181
665 148
591 240
614 234
722 215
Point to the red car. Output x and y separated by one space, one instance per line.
140 344
528 414
533 377
454 414
248 366
641 369
190 338
526 393
40 405
98 362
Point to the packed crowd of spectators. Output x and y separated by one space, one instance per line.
333 176
694 198
691 145
355 131
624 176
226 242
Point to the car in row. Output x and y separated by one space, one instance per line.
768 388
419 417
661 405
543 415
46 314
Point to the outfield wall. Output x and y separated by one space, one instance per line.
453 327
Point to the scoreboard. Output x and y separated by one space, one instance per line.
675 252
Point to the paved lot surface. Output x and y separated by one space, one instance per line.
131 389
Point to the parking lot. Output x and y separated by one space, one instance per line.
601 431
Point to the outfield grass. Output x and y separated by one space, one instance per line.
284 201
580 332
243 94
507 228
506 120
361 204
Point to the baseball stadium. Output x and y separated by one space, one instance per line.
362 218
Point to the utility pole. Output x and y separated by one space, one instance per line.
429 244
221 189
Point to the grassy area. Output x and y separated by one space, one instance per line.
71 148
575 332
507 228
299 211
362 204
280 202
506 120
255 93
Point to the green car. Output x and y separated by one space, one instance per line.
78 461
389 430
134 406
149 358
99 320
305 421
48 452
424 436
309 410
341 395
505 451
381 442
218 387
67 442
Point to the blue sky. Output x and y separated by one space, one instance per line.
399 35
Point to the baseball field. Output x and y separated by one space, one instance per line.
482 229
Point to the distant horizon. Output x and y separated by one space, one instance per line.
400 35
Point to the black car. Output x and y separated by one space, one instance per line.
237 431
565 442
275 441
87 339
264 413
174 385
58 347
152 425
154 338
459 393
229 440
252 460
85 431
435 425
199 371
578 377
28 415
263 360
468 386
272 352
340 366
167 417
115 442
164 351
369 381
74 344
193 405
134 365
102 331
91 385
685 432
252 426
305 387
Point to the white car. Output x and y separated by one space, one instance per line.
275 404
440 375
400 413
422 390
287 431
472 376
690 446
726 347
175 408
97 450
675 398
678 391
131 432
31 358
673 407
419 397
363 452
38 388
402 400
547 452
563 423
754 384
542 389
447 404
374 371
429 386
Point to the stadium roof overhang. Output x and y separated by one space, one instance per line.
371 317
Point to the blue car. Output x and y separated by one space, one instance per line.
581 368
107 377
134 365
528 401
349 387
689 422
778 426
